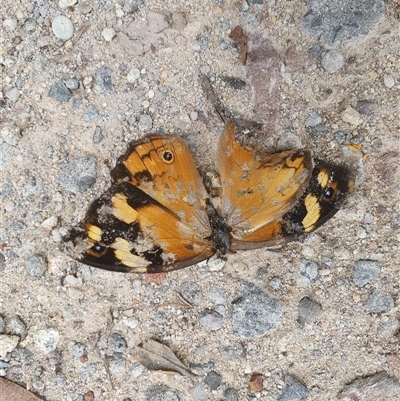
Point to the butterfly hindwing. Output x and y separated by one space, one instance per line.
257 188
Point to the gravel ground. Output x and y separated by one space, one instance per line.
317 320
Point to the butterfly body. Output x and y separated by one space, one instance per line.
157 215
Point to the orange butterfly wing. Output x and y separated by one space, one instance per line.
151 219
257 188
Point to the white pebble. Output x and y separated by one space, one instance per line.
388 80
62 27
11 134
63 4
133 75
108 34
351 116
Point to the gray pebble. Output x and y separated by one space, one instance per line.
365 271
87 372
78 175
62 27
2 262
117 364
160 392
341 137
76 103
337 21
213 380
17 325
60 92
11 133
191 292
3 235
210 319
366 106
293 390
84 8
318 130
130 6
104 80
117 343
309 270
250 21
12 94
332 61
313 119
4 154
217 296
308 311
97 135
275 283
231 394
255 313
315 50
29 25
72 83
6 189
145 123
2 325
78 350
224 45
90 113
36 266
379 301
137 369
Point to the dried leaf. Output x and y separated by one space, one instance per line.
240 38
16 392
256 382
379 386
156 356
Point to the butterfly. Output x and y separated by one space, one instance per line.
157 216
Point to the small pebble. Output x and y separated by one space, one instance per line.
78 175
12 94
60 92
62 27
2 325
332 61
133 75
351 116
255 313
293 390
145 123
72 83
194 115
63 4
36 266
90 113
104 80
11 133
117 364
7 344
308 311
137 369
366 106
78 350
97 135
17 325
85 8
217 296
47 339
213 380
309 270
108 34
231 394
361 233
4 154
379 302
388 80
117 343
191 291
210 320
313 119
183 123
50 222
